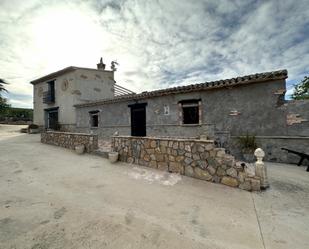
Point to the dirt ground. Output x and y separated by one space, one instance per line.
52 198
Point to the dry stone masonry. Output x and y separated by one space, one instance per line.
70 140
194 158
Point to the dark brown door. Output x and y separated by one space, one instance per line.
138 120
53 120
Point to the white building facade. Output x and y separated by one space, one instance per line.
55 94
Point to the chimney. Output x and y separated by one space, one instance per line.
101 65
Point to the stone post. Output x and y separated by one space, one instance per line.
260 168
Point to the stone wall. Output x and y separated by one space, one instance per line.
194 158
70 140
297 118
272 146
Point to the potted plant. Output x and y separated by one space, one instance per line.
113 156
248 146
33 129
79 149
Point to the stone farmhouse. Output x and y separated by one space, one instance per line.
89 101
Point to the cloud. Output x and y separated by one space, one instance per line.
157 43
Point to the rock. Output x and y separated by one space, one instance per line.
255 185
188 155
209 147
130 160
239 165
163 149
212 162
188 148
211 170
246 185
212 153
202 174
164 143
181 145
174 152
146 158
204 155
171 158
241 176
231 172
159 157
179 158
181 152
196 157
189 171
229 181
200 148
153 164
201 164
216 179
163 166
220 153
153 144
176 167
175 145
221 172
150 151
188 161
153 157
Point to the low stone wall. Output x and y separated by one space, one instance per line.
70 140
194 158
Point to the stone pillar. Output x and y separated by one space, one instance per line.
260 168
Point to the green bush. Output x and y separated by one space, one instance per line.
247 143
33 126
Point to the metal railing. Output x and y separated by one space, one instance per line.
48 97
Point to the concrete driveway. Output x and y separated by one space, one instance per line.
52 198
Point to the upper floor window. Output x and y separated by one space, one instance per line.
94 119
190 112
49 96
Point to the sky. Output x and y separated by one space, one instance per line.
157 43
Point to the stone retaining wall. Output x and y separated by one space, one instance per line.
194 158
70 140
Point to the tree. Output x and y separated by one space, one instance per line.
301 90
3 102
2 87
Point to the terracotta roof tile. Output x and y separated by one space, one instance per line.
247 79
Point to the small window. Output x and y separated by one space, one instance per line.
190 112
94 119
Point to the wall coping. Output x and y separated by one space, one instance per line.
70 133
276 137
167 139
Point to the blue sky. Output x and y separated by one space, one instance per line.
157 43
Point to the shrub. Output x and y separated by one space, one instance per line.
33 126
247 143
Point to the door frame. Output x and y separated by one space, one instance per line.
47 112
138 106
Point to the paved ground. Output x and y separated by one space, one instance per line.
53 198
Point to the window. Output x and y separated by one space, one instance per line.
94 119
190 112
49 95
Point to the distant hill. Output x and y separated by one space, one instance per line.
16 114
